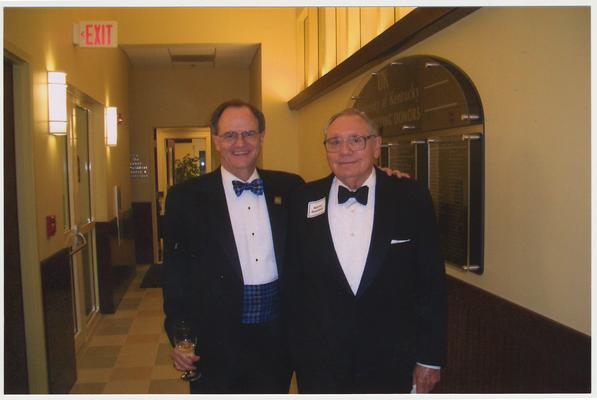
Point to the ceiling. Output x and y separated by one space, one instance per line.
191 56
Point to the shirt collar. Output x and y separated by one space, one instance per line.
370 181
228 177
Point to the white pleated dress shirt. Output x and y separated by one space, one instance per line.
252 232
351 225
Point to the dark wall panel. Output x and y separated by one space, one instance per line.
495 346
59 324
143 232
113 279
103 232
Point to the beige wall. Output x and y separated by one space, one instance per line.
168 98
255 83
534 82
273 28
101 74
42 39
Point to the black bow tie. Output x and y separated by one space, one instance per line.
360 194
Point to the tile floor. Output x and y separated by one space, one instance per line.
129 351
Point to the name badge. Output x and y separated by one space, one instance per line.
316 208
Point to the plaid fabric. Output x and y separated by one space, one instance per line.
261 303
255 186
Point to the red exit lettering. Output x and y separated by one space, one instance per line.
97 35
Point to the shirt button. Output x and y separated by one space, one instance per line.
256 259
249 207
221 276
351 234
252 233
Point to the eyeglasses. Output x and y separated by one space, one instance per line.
355 143
232 136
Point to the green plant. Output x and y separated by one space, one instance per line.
186 168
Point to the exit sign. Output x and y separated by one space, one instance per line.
96 34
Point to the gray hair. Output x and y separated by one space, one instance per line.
352 112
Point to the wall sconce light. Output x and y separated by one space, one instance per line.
111 126
57 102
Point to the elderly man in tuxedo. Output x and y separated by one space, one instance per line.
224 238
364 279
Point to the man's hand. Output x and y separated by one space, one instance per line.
183 361
395 172
425 378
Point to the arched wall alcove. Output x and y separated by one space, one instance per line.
430 117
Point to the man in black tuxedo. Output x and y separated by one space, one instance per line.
224 238
364 277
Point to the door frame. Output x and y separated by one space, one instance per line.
15 351
160 136
84 327
35 339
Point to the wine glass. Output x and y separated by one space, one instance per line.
185 342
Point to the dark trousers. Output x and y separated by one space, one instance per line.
353 379
262 364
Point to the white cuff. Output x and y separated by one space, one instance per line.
429 366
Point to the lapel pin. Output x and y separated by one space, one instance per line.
278 200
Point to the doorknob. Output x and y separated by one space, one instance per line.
79 241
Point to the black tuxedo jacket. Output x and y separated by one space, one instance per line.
203 282
369 341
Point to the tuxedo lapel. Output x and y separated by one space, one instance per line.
277 216
220 221
323 237
384 214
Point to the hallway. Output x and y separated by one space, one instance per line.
129 351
